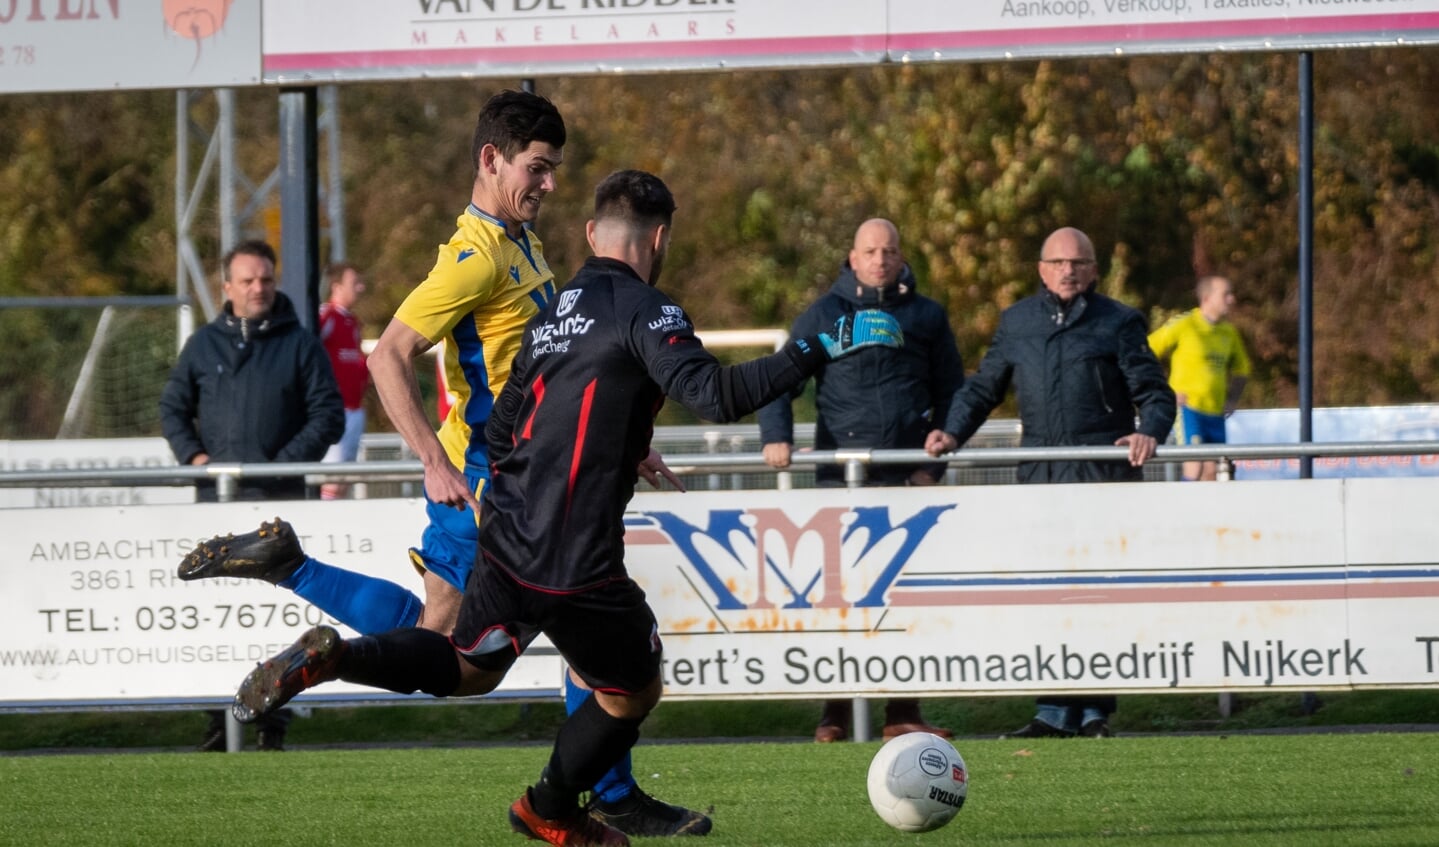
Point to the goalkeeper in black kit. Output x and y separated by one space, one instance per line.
566 439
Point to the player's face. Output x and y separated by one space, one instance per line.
251 286
1067 265
521 184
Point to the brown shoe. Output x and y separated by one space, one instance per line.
894 730
827 733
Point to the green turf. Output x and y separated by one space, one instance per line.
1351 789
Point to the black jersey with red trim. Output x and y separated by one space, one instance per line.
573 422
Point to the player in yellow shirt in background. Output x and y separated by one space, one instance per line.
1208 367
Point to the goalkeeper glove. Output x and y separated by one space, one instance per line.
867 328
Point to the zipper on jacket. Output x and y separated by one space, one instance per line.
1099 383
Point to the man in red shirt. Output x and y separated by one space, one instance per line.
340 330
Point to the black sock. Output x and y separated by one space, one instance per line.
589 743
403 660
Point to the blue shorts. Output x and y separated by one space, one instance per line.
451 539
1199 428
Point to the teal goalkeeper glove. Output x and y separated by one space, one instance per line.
867 328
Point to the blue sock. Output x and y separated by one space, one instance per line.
367 604
618 781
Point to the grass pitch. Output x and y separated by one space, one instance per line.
1351 789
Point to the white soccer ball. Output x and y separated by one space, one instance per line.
917 782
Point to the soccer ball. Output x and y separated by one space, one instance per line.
917 782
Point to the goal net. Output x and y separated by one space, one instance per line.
84 371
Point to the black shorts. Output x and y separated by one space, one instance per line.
607 635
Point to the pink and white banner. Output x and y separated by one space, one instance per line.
927 30
73 45
489 38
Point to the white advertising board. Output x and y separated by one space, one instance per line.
383 38
89 45
91 609
1297 585
1025 589
72 45
927 30
526 37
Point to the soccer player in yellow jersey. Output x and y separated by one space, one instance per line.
1208 368
489 279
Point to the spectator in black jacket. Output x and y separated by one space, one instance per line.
881 399
1083 370
252 386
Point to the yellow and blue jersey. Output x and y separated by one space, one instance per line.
485 286
1202 359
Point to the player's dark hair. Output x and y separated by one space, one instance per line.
636 197
246 248
511 120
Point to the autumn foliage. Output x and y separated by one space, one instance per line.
1175 165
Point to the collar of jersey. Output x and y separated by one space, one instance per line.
523 242
486 216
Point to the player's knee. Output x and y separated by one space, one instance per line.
439 621
476 681
633 706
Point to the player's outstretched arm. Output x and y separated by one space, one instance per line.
865 328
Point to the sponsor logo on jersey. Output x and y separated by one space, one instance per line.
671 319
464 254
515 273
568 299
555 336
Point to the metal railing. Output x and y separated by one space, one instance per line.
227 476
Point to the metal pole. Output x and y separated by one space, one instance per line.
225 487
225 138
234 733
184 319
70 423
299 199
859 719
1308 701
1306 259
334 183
